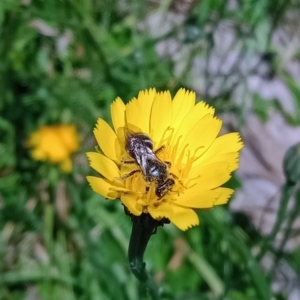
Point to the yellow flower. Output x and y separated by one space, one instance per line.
55 144
198 161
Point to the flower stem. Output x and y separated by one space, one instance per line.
142 228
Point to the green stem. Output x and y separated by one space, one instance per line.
287 191
142 228
289 226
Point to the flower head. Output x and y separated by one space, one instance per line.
185 140
55 144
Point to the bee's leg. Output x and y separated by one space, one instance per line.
124 161
168 163
159 149
130 174
164 193
164 188
174 176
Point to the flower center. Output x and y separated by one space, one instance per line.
161 174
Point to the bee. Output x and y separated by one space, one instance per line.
164 187
139 147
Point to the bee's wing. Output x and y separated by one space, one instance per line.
128 132
124 133
143 164
130 129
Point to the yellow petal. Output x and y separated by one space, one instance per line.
184 218
38 154
129 201
145 98
211 176
52 144
164 209
103 165
133 115
227 144
117 110
182 103
225 194
201 136
102 187
200 110
231 158
161 116
198 197
107 140
68 137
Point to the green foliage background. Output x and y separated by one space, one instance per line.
64 61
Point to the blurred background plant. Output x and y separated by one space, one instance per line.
64 62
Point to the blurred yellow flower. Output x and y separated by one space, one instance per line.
55 144
198 161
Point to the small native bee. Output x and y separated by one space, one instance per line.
163 188
139 146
